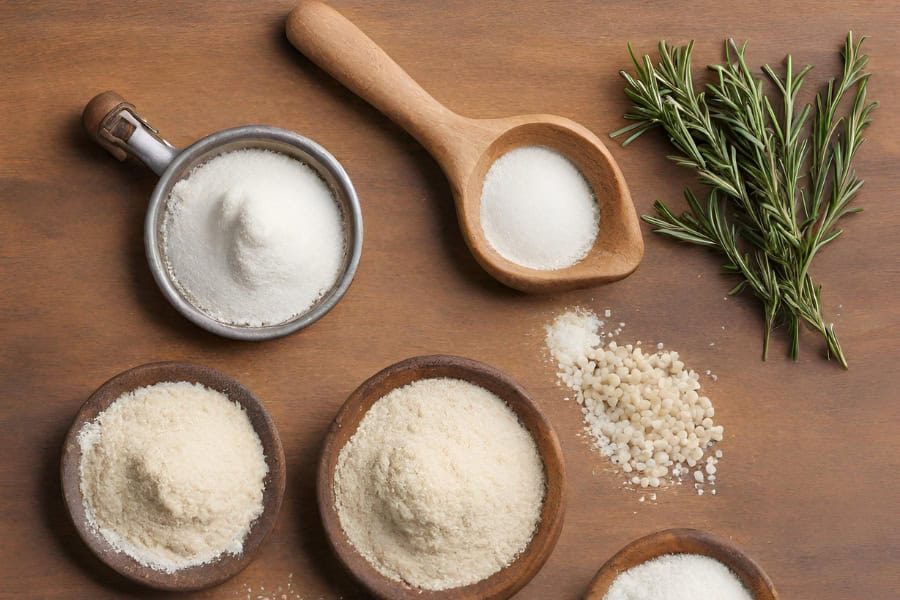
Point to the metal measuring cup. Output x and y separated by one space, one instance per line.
115 124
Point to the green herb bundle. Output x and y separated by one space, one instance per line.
780 176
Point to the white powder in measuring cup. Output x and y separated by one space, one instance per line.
537 209
253 237
678 577
172 474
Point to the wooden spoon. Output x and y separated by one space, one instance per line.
505 582
682 541
466 148
191 578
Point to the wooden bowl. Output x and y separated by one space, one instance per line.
192 578
682 541
508 580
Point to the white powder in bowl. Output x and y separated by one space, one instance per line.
537 209
172 474
253 237
678 577
440 486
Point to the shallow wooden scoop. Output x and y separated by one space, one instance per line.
466 148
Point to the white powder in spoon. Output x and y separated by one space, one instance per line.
253 237
537 209
678 577
172 475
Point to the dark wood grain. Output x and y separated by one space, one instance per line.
502 584
466 148
201 576
807 485
682 541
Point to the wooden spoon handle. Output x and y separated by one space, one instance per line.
331 41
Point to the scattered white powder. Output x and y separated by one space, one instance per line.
440 486
537 209
643 411
172 474
678 577
285 591
253 237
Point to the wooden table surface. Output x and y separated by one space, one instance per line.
808 485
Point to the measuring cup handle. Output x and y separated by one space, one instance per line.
116 125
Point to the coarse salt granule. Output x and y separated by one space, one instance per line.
643 411
537 209
440 486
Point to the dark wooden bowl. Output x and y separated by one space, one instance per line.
226 566
508 580
682 541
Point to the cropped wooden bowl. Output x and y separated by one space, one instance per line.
227 565
682 541
508 580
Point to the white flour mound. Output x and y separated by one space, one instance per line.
172 475
253 237
440 486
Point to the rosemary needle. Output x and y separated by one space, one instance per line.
780 177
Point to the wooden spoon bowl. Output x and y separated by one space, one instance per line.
508 580
466 148
682 541
227 565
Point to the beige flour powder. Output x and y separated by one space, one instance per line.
440 486
172 475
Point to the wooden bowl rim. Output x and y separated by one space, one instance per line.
508 580
201 576
672 541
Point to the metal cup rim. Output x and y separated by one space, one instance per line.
176 170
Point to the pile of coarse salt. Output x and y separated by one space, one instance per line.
642 410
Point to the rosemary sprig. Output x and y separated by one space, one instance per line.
777 190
